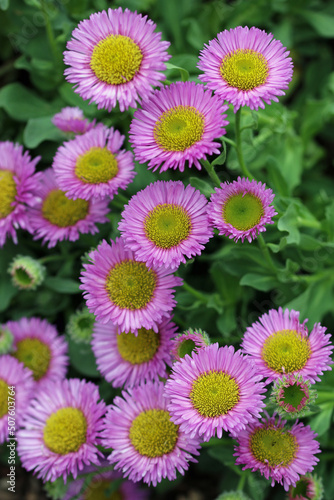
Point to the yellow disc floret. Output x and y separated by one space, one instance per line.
35 355
96 166
7 193
63 212
244 69
286 351
3 398
214 394
65 430
167 225
138 349
179 128
243 211
273 446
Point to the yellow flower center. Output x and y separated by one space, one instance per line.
214 394
286 351
96 166
3 398
7 193
153 434
244 69
179 128
65 430
98 490
273 446
131 285
167 225
63 212
116 59
243 211
35 355
138 349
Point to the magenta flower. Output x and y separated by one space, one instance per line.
165 222
128 359
308 487
279 344
189 341
146 444
93 165
179 123
58 218
246 67
241 209
293 395
121 289
277 452
115 56
72 120
215 389
18 183
61 430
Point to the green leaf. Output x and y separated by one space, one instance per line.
258 281
22 104
204 187
321 422
183 72
82 358
7 292
220 160
288 222
38 130
321 22
4 4
222 453
62 285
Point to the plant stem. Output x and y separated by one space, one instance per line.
195 293
50 34
242 481
238 147
266 253
211 172
229 141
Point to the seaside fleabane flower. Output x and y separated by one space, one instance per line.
128 359
165 222
80 326
189 341
18 182
115 56
146 444
246 67
93 165
71 119
27 273
279 344
277 452
61 429
241 209
215 389
38 346
179 123
292 395
308 487
121 289
16 389
58 218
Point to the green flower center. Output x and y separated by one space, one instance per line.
243 211
131 285
23 278
153 434
8 192
35 355
300 490
138 349
167 225
65 431
286 351
98 490
293 395
186 347
244 69
116 59
273 446
96 166
63 212
179 128
214 394
3 398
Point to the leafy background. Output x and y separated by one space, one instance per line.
289 145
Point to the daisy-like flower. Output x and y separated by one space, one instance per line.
146 444
293 395
80 326
27 273
277 452
215 389
179 123
241 209
18 183
58 218
309 487
6 340
121 289
115 56
189 341
165 222
279 344
61 429
39 347
16 390
72 120
93 165
246 67
128 359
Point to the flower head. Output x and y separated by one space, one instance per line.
279 344
165 222
18 183
93 165
6 340
128 359
60 432
241 209
189 341
115 56
122 289
179 123
293 395
58 218
246 67
276 451
308 487
146 444
80 326
72 120
27 273
215 389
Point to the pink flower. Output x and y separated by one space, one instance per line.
72 120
